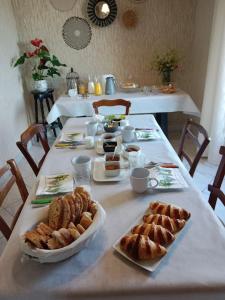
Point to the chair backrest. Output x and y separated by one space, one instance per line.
14 178
193 130
115 102
33 130
215 188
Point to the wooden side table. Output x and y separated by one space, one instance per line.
47 98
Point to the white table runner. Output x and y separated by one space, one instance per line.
194 269
140 104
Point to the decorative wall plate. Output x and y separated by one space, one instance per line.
138 1
102 13
77 33
64 5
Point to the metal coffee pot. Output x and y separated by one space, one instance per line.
110 86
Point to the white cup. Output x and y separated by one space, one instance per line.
72 92
124 123
82 168
89 142
92 128
128 134
140 180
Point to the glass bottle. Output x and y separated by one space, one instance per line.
91 86
98 87
82 88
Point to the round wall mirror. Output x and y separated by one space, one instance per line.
102 13
102 10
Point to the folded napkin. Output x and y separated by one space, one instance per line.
71 137
55 184
147 134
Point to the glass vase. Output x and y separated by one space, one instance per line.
166 77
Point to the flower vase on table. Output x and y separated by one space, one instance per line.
166 77
165 63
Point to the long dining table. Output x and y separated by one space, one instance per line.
194 268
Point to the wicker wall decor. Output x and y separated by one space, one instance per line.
102 13
138 1
77 33
130 18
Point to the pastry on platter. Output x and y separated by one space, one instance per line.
141 247
155 232
169 210
173 225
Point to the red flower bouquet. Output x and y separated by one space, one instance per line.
45 64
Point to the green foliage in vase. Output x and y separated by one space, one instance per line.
166 62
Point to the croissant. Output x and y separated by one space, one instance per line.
141 247
173 225
169 210
155 232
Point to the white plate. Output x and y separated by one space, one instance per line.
147 265
48 186
99 172
51 256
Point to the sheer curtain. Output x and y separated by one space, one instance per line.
213 110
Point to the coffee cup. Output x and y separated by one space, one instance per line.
140 180
128 134
82 168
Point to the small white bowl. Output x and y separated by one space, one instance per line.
112 173
126 153
108 137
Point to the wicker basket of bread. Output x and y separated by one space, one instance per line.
59 231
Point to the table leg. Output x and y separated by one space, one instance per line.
36 113
48 105
43 116
162 119
58 119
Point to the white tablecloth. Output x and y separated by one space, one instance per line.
140 104
194 268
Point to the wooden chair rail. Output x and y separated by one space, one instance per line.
14 178
26 136
215 188
187 132
115 102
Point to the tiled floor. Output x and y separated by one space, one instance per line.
204 174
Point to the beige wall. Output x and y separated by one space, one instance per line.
200 49
114 49
13 118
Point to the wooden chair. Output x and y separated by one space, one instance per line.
15 177
215 188
116 102
26 136
194 136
